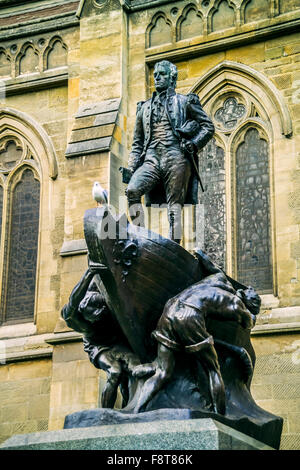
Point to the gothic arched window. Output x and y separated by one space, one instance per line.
252 212
235 209
19 214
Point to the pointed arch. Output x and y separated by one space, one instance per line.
253 82
255 10
28 167
5 63
266 120
27 128
222 15
22 222
55 54
252 211
28 59
161 36
196 27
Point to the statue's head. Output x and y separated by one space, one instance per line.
251 299
165 75
93 306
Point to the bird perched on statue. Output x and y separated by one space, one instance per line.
100 194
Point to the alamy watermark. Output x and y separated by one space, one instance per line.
186 222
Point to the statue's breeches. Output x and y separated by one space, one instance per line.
165 164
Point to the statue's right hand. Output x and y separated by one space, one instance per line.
126 174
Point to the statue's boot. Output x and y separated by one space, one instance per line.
174 217
136 213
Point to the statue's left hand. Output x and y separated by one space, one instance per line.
189 146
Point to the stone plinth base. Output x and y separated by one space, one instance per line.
192 434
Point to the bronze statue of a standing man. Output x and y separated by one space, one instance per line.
170 130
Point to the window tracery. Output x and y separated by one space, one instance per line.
212 170
253 240
235 170
19 218
19 297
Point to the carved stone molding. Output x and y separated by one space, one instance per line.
190 23
210 17
33 133
228 115
101 3
250 80
33 56
11 152
159 31
220 41
36 21
36 81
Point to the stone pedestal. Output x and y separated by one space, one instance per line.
193 434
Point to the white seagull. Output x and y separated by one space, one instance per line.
100 194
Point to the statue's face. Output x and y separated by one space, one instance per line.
252 300
162 78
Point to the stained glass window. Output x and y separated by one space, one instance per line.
254 266
23 245
212 171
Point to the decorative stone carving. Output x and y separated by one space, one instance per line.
223 16
56 54
26 155
5 64
230 113
255 10
289 5
101 3
28 60
25 130
254 83
35 56
10 153
159 31
190 24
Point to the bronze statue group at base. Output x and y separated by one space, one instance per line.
170 328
